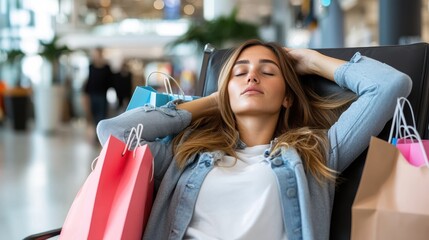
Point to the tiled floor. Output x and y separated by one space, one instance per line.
40 175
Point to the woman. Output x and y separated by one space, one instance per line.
258 159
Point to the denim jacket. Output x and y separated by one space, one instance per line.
306 203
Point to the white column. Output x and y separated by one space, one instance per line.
332 26
282 19
400 21
216 8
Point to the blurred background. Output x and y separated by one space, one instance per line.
51 50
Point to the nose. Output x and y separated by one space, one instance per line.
252 78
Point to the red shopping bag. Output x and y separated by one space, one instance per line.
116 198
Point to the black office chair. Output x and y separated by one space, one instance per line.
410 59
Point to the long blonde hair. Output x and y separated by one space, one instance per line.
303 125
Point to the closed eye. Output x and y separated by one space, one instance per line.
239 74
268 73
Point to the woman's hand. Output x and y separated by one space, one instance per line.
304 59
309 61
202 106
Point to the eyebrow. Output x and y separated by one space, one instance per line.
260 61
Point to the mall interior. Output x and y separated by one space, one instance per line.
47 135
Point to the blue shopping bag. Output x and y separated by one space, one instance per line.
147 95
183 97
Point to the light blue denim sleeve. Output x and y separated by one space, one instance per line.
377 85
158 122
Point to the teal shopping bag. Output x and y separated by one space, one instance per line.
183 97
147 95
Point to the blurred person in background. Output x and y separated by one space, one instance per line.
123 86
100 79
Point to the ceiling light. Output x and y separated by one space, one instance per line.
107 19
189 9
325 3
296 2
105 3
158 4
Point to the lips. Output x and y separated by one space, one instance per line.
252 89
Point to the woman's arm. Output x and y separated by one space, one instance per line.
158 122
378 86
201 107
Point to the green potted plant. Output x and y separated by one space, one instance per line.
222 31
49 95
51 51
16 97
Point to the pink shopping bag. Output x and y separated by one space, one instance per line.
116 198
411 150
405 136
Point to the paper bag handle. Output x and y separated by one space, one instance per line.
399 121
167 83
136 133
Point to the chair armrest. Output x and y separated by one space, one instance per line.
44 235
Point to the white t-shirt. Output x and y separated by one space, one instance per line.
239 201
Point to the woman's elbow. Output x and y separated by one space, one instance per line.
404 84
102 131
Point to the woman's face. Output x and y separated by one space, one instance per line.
256 85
